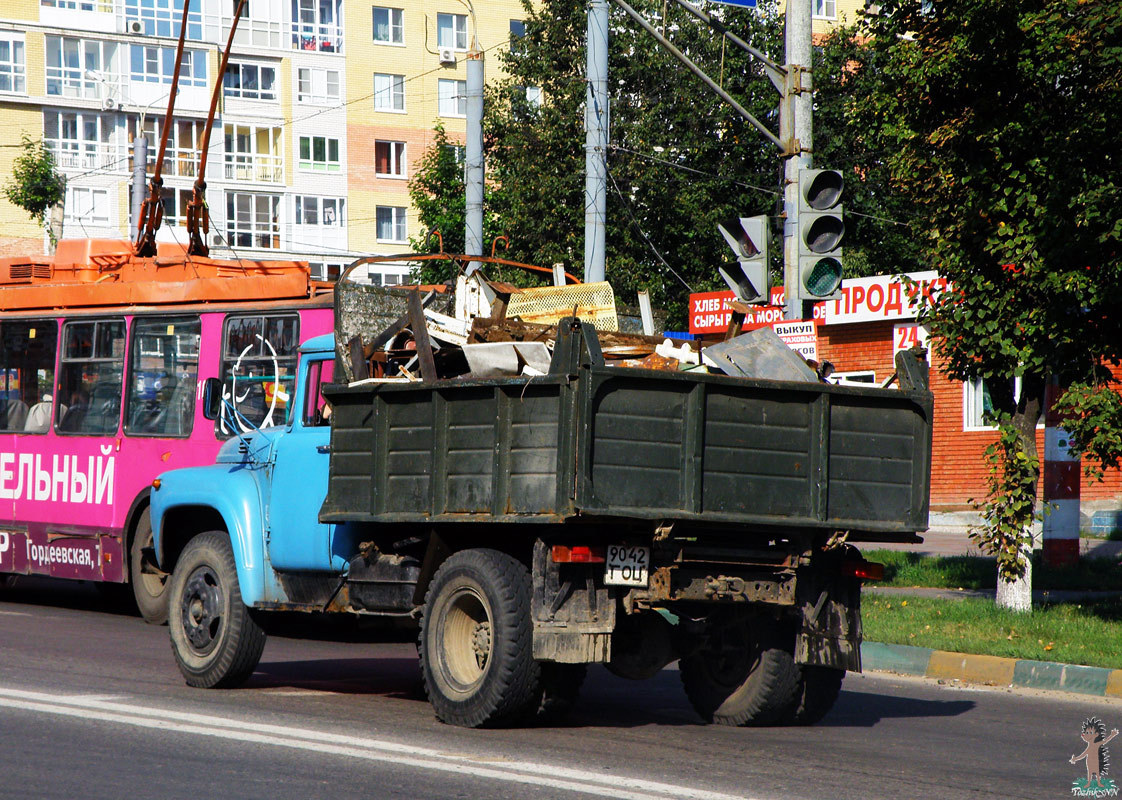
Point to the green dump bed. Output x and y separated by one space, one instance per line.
590 441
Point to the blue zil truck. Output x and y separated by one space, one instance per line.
531 525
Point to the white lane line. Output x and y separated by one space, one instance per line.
523 772
13 614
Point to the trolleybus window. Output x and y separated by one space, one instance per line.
163 375
27 374
90 376
258 370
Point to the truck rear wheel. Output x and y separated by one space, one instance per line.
476 641
817 691
216 641
740 675
149 582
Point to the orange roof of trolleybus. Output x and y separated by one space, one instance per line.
87 273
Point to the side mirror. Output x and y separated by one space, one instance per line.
212 398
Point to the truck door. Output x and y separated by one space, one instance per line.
297 540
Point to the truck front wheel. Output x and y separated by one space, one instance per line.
476 641
216 641
740 675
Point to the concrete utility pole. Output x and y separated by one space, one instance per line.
596 126
139 171
474 175
799 109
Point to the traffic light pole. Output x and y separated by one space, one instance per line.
796 127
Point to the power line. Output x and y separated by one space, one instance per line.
646 238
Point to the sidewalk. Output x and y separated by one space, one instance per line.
991 670
951 542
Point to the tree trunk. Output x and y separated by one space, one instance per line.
1017 595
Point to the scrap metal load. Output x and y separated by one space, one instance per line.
448 409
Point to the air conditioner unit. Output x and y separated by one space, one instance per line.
447 55
110 104
216 240
134 26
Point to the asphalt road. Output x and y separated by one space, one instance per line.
91 706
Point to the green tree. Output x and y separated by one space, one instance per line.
35 184
998 122
680 160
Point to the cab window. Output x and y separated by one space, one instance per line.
258 371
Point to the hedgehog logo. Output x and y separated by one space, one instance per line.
1097 759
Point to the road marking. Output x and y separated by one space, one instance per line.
588 782
13 614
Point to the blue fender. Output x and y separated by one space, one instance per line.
231 491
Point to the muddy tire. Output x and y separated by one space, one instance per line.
216 641
817 691
476 641
149 582
740 675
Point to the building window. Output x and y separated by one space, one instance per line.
104 6
317 86
826 9
325 270
181 159
452 98
517 31
978 402
86 205
457 152
328 212
533 95
452 31
162 17
253 154
73 64
175 203
389 92
319 153
156 65
80 140
317 25
391 224
13 67
250 81
389 159
389 27
253 220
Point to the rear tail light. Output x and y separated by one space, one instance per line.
577 554
864 570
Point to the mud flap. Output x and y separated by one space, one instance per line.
574 613
830 626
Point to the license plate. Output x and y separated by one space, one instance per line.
626 566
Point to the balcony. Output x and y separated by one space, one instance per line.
256 168
85 156
323 38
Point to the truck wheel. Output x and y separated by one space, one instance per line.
216 641
817 691
149 582
740 676
476 641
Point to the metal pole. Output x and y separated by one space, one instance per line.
596 126
798 95
473 176
139 171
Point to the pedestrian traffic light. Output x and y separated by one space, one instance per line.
821 230
748 239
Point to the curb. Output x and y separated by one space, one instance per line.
991 670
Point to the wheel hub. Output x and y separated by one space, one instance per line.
201 609
481 643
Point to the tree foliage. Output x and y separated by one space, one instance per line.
35 184
997 120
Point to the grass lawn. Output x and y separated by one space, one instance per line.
974 572
1074 633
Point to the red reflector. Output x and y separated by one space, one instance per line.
578 554
865 570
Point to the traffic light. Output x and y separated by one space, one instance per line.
821 231
748 239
